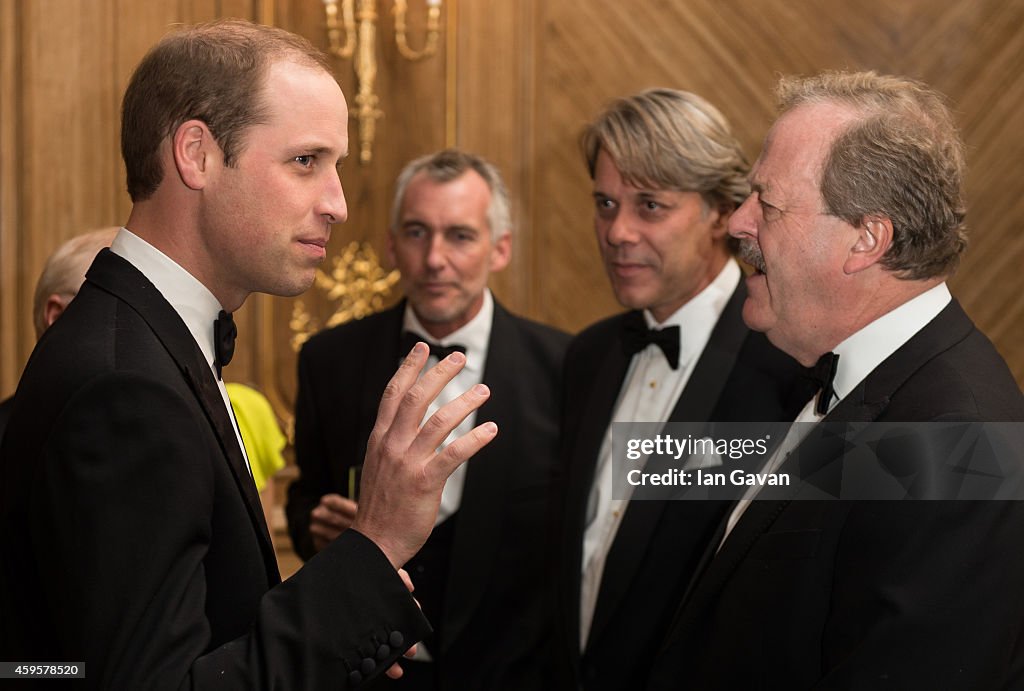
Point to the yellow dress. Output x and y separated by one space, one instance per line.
264 441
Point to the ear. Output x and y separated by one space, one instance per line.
54 307
391 248
194 149
873 239
501 253
719 218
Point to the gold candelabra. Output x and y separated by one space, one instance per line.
359 26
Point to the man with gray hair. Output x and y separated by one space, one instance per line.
480 576
854 223
667 176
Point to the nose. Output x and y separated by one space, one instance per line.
436 255
618 229
743 222
333 206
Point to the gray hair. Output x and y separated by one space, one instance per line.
445 166
64 271
671 139
903 159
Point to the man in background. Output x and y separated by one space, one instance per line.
667 176
133 536
58 284
854 223
480 575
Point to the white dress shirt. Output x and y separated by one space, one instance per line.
193 302
649 393
858 355
475 336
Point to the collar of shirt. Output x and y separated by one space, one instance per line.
697 318
474 335
868 348
193 301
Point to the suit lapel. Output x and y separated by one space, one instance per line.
474 546
118 277
866 403
696 404
609 373
698 400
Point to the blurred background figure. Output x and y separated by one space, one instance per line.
264 441
57 286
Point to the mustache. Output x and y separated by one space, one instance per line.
751 254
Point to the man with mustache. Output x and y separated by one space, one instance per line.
667 175
480 575
854 223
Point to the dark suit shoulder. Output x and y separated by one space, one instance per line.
969 381
363 332
541 340
596 338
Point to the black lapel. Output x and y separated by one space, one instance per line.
867 402
474 546
119 277
696 404
711 372
609 374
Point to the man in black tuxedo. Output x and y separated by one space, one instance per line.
480 576
854 222
133 538
667 176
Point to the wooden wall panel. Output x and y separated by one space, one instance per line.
516 83
731 52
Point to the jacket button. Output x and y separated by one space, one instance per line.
396 639
355 677
382 652
368 666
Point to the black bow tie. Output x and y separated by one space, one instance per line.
224 332
409 339
636 336
823 373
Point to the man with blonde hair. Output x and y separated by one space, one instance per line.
667 175
854 223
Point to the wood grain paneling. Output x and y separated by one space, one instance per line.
731 52
525 77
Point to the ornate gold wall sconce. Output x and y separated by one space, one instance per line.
359 26
355 287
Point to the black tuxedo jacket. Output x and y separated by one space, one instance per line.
481 574
871 594
739 377
132 534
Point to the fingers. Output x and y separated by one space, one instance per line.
400 383
461 449
418 398
394 671
448 417
404 575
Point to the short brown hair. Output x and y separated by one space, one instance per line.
445 166
903 159
671 139
211 72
